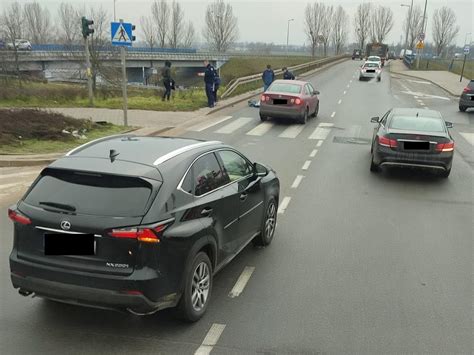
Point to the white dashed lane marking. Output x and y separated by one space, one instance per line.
313 153
306 165
320 143
211 339
242 281
297 181
333 114
284 205
320 133
339 102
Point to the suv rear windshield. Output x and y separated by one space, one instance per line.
91 193
471 84
428 124
286 88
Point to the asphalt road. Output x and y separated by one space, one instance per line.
360 263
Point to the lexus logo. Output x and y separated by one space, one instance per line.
66 225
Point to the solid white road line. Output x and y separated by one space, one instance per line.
320 143
333 114
242 281
200 127
339 102
238 123
320 133
306 165
211 339
419 82
313 153
326 124
292 131
284 205
426 108
297 181
261 129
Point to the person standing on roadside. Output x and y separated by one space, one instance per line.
268 77
287 75
209 81
166 77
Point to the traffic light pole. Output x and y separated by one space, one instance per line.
89 72
124 85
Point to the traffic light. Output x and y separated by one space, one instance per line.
133 37
86 30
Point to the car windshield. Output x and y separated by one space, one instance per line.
411 123
285 88
91 194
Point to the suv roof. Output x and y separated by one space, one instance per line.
150 151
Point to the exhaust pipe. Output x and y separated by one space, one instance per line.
141 313
24 293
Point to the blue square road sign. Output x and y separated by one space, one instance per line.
121 34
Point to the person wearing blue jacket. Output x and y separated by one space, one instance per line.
209 81
268 77
287 75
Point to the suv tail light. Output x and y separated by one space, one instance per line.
445 147
146 234
16 216
466 89
387 142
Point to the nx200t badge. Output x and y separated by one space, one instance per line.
66 225
116 265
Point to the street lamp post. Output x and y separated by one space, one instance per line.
423 29
408 25
465 55
288 35
115 19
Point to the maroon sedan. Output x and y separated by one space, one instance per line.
292 99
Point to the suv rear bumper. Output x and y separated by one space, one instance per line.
466 101
31 279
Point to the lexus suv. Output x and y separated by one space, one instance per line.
140 223
466 100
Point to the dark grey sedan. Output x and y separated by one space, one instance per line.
410 137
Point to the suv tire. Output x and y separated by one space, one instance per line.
268 224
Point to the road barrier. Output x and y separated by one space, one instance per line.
233 84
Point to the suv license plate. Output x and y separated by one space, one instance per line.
69 244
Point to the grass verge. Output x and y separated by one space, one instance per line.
436 64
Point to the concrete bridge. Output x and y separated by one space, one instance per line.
70 65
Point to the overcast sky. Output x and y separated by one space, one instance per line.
266 21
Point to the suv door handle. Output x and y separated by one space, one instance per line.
243 196
206 212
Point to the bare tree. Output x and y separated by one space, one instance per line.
176 26
189 35
444 28
339 33
161 12
149 30
12 29
362 24
314 14
221 28
381 23
327 26
414 25
38 23
68 22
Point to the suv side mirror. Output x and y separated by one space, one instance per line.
259 170
449 124
375 119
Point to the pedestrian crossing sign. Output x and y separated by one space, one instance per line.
121 33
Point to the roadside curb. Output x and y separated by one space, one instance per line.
26 160
421 78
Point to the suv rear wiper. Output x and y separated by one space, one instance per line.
59 205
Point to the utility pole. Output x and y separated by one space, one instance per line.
423 29
86 31
466 49
408 26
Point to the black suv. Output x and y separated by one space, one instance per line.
140 223
466 100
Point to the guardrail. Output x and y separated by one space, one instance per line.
409 59
233 84
80 48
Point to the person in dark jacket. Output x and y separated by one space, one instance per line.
209 81
268 77
217 84
287 75
167 80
